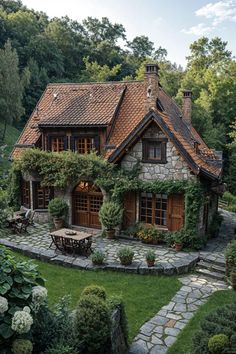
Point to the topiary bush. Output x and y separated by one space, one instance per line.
93 324
110 215
96 290
217 343
58 208
221 321
22 346
230 257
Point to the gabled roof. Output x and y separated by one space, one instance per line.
120 105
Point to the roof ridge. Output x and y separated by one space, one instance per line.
91 83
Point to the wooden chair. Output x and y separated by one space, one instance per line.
68 245
22 225
58 242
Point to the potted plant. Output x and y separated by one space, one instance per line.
150 258
98 258
58 209
110 216
125 255
233 278
178 239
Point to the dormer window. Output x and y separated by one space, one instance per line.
154 151
57 143
84 145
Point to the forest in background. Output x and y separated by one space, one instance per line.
36 50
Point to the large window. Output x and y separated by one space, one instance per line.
154 150
25 194
153 209
57 144
42 196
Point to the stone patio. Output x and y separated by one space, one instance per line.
37 241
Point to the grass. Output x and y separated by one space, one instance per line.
143 295
184 339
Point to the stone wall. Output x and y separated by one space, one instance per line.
175 168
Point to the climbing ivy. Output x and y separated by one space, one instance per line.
67 168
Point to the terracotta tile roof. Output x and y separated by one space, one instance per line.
96 104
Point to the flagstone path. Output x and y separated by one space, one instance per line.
160 332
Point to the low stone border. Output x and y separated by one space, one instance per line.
178 267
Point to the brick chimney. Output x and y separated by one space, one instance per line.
187 106
151 79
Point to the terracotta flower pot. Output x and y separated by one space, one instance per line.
150 263
111 233
58 223
178 247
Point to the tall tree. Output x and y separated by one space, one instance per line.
141 47
11 87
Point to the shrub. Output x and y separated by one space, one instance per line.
53 327
150 256
17 281
110 215
4 208
93 324
223 321
61 348
22 346
230 257
98 257
58 208
133 230
125 255
96 290
217 343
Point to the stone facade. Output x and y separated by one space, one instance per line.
176 168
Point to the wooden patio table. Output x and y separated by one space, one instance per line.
78 242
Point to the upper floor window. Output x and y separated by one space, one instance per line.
85 144
154 150
57 144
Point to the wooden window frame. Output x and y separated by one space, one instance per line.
24 197
50 190
154 209
75 138
59 136
147 142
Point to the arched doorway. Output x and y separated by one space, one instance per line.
87 200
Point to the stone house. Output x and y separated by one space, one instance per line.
126 122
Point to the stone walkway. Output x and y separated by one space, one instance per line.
160 332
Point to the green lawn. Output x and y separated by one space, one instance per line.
143 295
184 339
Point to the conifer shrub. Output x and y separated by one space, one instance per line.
217 343
96 290
93 324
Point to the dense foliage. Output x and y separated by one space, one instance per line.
58 208
110 214
221 322
230 257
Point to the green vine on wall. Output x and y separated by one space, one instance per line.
68 168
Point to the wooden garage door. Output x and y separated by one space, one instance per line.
87 200
129 205
175 212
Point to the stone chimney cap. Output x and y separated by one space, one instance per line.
187 93
151 69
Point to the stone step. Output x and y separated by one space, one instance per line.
209 273
211 260
211 266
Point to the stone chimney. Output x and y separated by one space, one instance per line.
187 106
151 80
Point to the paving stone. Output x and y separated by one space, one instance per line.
169 306
180 325
156 340
170 323
138 348
173 316
159 320
172 331
169 340
180 308
159 349
158 329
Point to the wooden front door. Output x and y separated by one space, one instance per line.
129 205
175 212
87 200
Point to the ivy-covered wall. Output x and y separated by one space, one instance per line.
63 170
